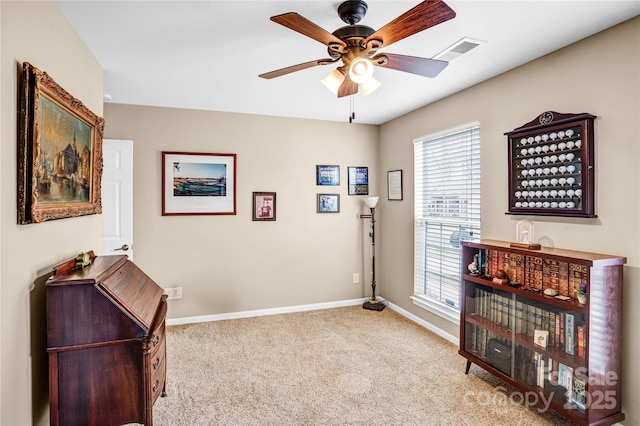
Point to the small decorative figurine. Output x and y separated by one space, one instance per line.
581 293
473 266
83 260
524 236
501 277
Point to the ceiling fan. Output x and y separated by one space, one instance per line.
357 45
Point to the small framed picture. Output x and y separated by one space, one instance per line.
328 203
394 185
358 180
264 206
327 175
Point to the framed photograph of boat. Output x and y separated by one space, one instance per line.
196 183
59 152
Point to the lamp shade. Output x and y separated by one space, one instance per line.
369 85
360 70
333 81
371 201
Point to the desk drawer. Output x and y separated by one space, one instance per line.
158 374
157 340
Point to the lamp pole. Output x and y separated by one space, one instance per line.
372 303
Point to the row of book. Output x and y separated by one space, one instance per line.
534 272
558 380
564 330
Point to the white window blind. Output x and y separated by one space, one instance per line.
447 210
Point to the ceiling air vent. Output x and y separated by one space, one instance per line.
457 49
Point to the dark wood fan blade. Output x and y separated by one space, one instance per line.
425 15
348 87
415 65
304 26
294 68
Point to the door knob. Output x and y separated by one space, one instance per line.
123 248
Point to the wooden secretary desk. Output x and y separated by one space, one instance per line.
105 342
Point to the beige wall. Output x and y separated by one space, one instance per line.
35 32
231 263
599 75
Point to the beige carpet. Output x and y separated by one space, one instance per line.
343 366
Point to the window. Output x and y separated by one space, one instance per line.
447 211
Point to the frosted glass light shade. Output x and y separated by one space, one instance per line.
370 85
371 201
333 81
360 70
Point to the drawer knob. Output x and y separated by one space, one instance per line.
156 363
155 387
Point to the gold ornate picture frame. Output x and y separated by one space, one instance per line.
59 152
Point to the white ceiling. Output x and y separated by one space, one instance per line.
208 54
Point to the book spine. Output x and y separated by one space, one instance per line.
563 276
538 281
551 323
580 330
570 333
562 330
518 315
494 262
531 318
562 375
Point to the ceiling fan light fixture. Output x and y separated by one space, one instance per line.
333 81
360 70
370 85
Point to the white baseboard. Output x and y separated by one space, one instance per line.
263 312
312 307
450 337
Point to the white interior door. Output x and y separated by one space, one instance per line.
117 197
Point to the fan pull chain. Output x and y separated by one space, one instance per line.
352 115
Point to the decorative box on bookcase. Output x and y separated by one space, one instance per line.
547 343
551 166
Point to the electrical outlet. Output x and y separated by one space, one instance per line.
356 278
173 292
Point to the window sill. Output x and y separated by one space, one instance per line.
439 309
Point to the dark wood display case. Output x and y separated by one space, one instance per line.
551 166
553 347
106 343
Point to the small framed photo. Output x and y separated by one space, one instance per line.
328 203
327 175
264 206
394 185
358 180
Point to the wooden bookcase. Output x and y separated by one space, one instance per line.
579 369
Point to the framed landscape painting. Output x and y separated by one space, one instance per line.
59 152
198 183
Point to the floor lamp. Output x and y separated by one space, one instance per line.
372 303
